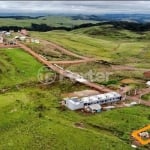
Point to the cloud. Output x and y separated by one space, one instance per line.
86 7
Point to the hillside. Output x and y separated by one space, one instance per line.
140 18
30 112
55 21
105 42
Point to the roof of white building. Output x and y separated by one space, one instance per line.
101 96
148 83
94 98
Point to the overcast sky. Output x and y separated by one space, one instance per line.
86 7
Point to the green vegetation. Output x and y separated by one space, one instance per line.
146 97
16 67
30 113
49 52
115 46
56 21
33 119
124 48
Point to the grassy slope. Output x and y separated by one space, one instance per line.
31 118
122 47
49 20
17 67
37 122
119 49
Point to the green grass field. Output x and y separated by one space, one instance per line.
119 50
31 116
16 67
33 119
146 97
56 21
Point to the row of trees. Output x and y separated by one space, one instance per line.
137 27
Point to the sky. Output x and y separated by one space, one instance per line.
76 7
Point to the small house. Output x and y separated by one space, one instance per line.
95 108
148 83
100 99
7 33
22 38
147 74
24 32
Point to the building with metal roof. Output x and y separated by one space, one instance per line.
80 103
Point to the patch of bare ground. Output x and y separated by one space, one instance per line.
79 125
81 93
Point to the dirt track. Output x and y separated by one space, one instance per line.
63 50
65 73
8 46
127 68
73 61
56 48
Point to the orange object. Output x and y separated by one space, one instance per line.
136 133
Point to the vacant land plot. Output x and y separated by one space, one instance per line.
135 53
17 67
122 48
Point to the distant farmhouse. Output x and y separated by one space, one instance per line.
24 32
147 74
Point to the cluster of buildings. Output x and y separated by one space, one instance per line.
3 34
25 36
92 103
6 39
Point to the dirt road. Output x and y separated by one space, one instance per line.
127 68
63 50
65 73
73 61
8 46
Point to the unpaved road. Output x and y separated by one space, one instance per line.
70 75
73 61
56 47
63 50
8 46
127 68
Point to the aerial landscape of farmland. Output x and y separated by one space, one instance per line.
72 79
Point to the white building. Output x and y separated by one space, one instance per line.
148 83
79 103
7 33
94 108
22 38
